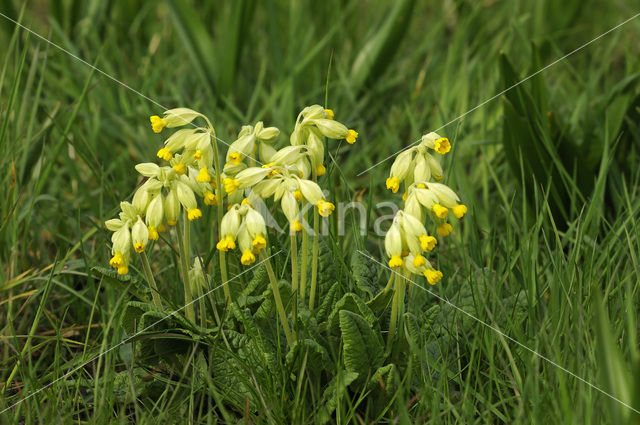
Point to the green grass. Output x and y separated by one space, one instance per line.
564 284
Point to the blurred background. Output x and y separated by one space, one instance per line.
548 169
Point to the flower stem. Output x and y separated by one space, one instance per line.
220 202
150 279
294 279
303 263
314 259
276 295
183 238
394 310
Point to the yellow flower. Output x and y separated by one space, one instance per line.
296 226
235 158
172 222
259 242
194 214
209 198
203 176
298 195
395 262
351 136
329 113
226 243
427 243
444 229
419 261
247 257
123 269
404 195
197 155
393 183
180 168
157 124
116 261
320 170
139 247
153 233
230 185
440 211
165 154
421 186
433 276
325 208
162 228
442 145
459 210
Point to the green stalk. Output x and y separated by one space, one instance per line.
150 279
291 337
294 279
303 260
314 252
394 310
184 265
220 202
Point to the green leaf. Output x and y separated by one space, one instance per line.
353 303
317 355
123 283
385 379
365 273
336 388
362 347
327 302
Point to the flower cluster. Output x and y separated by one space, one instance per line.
287 175
407 238
168 189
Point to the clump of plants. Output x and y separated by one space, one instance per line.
289 309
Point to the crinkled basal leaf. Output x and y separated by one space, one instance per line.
327 302
317 356
365 273
123 283
326 268
385 379
267 309
353 303
362 347
332 395
263 348
381 302
258 282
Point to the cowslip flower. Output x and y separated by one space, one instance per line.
173 118
405 242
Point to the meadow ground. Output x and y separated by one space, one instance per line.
535 320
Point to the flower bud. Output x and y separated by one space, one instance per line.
311 191
289 206
155 213
446 196
332 129
267 134
180 116
140 236
148 169
251 176
186 196
171 207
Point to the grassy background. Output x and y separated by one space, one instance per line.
69 138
